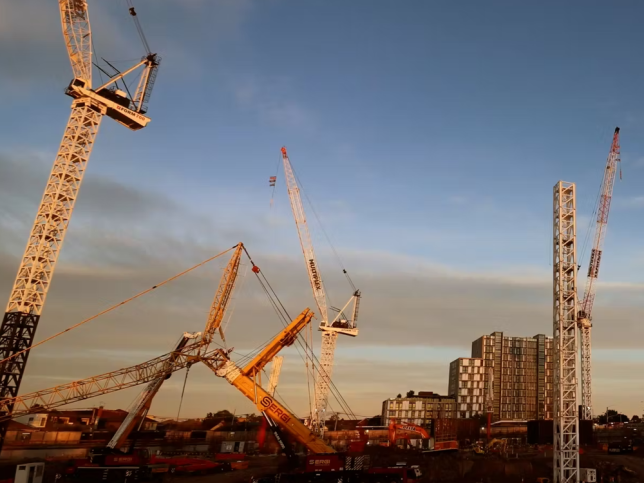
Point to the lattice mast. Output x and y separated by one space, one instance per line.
276 368
223 295
489 401
566 428
38 262
585 311
330 330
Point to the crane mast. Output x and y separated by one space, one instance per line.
330 330
585 311
38 262
305 240
565 420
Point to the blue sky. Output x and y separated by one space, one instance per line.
428 136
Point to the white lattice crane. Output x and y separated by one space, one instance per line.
564 267
38 262
330 329
586 303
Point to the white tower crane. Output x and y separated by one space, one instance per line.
564 267
37 265
586 304
330 329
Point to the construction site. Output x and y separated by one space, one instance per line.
518 409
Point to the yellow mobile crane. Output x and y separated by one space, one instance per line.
325 461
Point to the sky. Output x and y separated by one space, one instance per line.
426 135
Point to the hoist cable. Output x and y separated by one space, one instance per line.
144 41
185 380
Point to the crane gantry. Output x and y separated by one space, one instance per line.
330 329
38 262
584 317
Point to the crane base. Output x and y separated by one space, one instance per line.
16 334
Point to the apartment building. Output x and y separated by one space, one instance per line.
418 409
522 369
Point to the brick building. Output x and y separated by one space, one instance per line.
418 409
522 370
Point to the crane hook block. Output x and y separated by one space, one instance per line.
132 12
255 269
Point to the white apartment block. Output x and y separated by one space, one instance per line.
523 371
419 409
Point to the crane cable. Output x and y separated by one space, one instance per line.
285 317
113 307
137 23
326 235
185 380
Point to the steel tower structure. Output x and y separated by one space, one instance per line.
38 262
566 427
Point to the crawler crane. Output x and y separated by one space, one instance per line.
38 262
330 329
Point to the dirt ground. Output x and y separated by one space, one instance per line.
465 468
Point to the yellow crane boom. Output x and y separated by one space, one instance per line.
245 380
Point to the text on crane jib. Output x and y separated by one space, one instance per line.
314 274
274 409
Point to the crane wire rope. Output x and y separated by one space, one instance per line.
139 28
304 345
326 235
285 318
185 380
113 307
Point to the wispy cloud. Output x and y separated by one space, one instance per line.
272 101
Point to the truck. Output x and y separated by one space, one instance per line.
110 466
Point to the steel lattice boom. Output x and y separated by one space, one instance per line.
585 311
330 330
104 384
566 428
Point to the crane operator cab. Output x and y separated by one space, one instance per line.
112 102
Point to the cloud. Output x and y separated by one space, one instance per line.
273 102
416 316
32 49
631 202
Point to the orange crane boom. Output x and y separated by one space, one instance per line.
246 381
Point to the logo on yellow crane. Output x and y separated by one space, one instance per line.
273 409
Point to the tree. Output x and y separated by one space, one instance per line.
398 396
410 393
635 419
612 416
